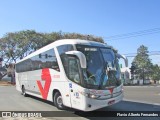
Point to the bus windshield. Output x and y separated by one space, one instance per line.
102 67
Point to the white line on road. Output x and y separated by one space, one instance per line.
145 102
142 86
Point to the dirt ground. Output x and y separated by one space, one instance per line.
6 83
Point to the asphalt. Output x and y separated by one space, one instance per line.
137 98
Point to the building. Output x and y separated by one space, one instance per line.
126 75
127 79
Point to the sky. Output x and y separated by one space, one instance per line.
102 18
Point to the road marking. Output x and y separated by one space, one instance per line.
141 86
145 102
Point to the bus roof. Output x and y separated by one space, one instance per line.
64 42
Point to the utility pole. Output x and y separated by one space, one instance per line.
88 37
1 59
143 76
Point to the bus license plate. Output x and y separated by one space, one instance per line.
111 102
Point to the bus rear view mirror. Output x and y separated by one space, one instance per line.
80 56
123 57
40 56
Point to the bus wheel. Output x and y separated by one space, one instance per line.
58 101
24 92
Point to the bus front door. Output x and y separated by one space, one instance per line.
75 82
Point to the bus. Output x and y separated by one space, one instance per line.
79 74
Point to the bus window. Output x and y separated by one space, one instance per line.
64 48
46 59
73 70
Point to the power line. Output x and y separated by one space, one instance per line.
133 34
135 55
139 32
151 53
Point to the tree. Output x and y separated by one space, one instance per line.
132 70
142 63
155 72
17 45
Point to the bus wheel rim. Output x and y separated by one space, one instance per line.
59 101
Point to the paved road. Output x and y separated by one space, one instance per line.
11 100
145 94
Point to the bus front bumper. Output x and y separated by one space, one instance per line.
93 104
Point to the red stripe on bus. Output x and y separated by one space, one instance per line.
47 78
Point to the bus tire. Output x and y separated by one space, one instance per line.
58 101
24 91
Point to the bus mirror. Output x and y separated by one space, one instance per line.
40 56
80 56
46 55
123 57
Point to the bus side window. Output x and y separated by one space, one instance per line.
73 70
46 59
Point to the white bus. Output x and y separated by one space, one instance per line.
80 74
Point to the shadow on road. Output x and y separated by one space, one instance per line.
123 106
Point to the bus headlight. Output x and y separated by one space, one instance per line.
93 96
